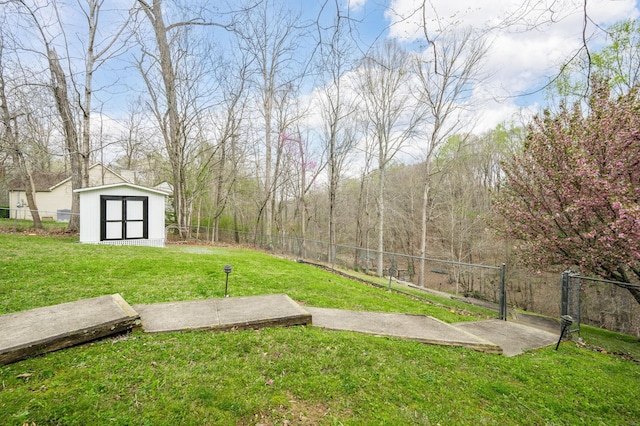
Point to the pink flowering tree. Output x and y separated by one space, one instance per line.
572 196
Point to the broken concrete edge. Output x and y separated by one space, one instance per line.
133 322
124 305
295 315
66 340
486 347
482 342
296 305
291 321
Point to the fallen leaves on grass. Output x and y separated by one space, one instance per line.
625 356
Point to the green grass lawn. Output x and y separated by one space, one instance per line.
297 375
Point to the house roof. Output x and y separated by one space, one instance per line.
46 182
42 181
90 167
120 185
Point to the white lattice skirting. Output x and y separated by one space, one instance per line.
159 242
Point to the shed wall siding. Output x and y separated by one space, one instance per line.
90 215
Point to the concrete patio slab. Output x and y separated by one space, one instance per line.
223 314
422 328
513 338
36 331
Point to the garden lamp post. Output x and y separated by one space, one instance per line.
567 320
227 270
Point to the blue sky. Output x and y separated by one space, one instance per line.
530 40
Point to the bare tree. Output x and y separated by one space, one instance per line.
69 130
11 137
270 35
229 122
173 110
97 52
337 111
392 113
446 73
66 92
131 140
366 147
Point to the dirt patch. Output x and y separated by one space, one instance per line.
8 228
296 412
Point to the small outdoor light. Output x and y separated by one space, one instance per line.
227 270
567 320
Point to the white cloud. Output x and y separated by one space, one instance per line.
355 5
527 46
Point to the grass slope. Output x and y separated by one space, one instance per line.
299 375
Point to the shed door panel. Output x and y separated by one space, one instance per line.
135 218
114 231
135 230
135 210
114 210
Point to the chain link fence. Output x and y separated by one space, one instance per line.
21 218
600 303
24 213
482 283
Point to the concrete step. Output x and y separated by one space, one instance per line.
276 310
37 331
422 328
513 338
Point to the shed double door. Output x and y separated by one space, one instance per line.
123 217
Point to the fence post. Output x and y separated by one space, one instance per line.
503 293
564 299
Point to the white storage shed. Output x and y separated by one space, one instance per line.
122 214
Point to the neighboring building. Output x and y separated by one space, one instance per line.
122 214
54 193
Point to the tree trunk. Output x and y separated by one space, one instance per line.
332 212
86 107
267 165
29 189
333 188
381 221
219 185
60 93
423 233
173 136
303 205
